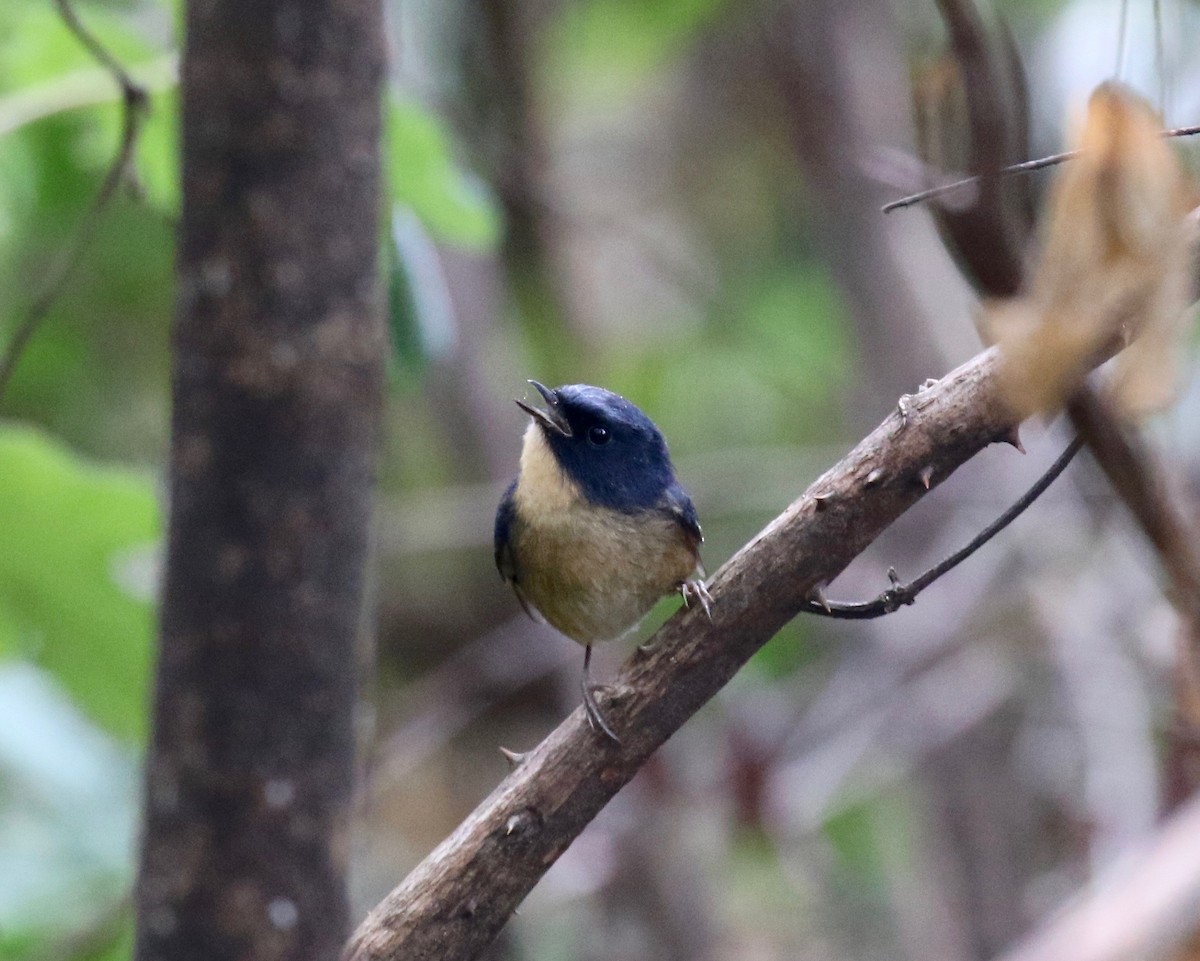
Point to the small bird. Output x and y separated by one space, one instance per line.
596 529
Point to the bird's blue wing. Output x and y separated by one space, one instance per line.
506 560
505 516
681 508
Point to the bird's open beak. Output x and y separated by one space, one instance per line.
552 418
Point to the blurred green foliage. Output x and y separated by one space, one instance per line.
608 48
78 540
424 177
77 575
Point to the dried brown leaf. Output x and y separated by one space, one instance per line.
1114 263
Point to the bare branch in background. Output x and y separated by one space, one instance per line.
1168 525
972 114
808 53
1116 259
1145 906
506 659
134 106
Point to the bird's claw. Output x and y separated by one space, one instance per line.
595 718
817 596
694 590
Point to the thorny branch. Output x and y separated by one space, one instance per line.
1022 168
134 106
457 900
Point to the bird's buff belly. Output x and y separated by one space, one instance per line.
602 590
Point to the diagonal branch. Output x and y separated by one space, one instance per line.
456 901
134 104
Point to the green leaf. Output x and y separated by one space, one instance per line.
77 574
852 832
52 90
158 152
789 651
423 176
37 46
18 187
408 352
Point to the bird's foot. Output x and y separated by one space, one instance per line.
591 710
694 590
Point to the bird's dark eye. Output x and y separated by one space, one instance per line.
598 436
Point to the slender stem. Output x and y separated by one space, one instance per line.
1025 167
134 103
900 595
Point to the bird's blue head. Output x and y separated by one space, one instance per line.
605 444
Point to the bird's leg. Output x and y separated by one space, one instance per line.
693 589
591 708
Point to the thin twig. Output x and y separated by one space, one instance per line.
93 46
134 103
1021 168
900 595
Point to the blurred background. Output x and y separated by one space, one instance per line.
678 200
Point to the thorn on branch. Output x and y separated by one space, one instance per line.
514 758
909 402
1013 438
521 823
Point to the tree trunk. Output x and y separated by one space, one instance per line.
277 386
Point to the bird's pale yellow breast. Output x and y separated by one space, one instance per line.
542 487
593 572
